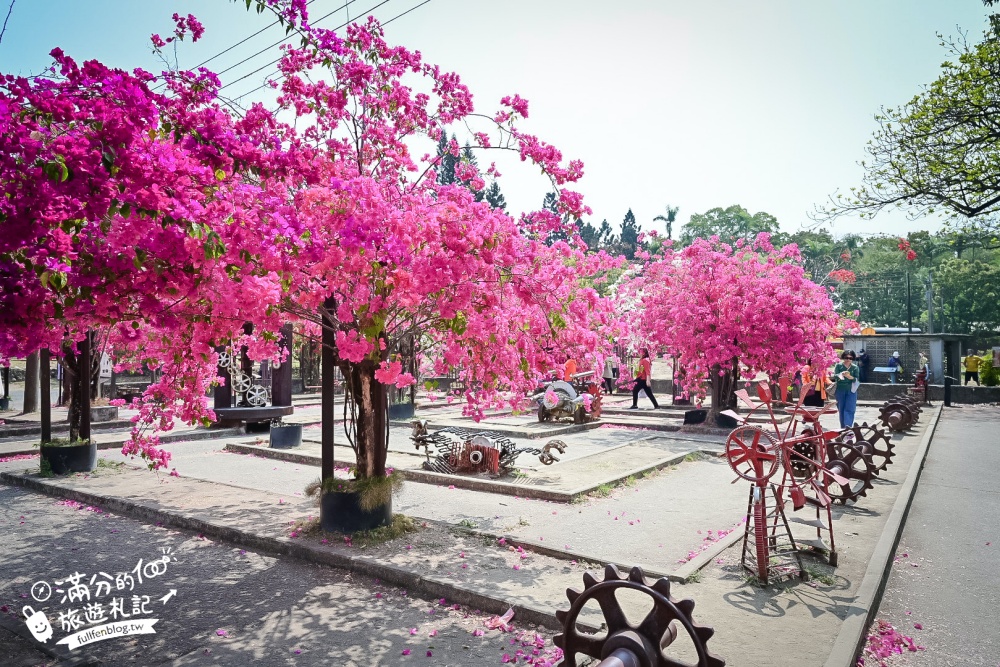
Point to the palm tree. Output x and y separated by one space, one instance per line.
669 219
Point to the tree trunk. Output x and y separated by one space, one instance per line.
31 384
370 437
77 369
723 388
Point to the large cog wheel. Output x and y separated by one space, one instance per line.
848 463
649 639
876 443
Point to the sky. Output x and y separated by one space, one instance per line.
766 104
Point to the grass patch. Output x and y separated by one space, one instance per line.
468 523
110 465
518 474
693 578
822 577
521 521
603 491
44 468
401 525
694 456
629 481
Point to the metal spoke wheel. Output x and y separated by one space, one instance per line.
241 382
225 359
257 396
753 454
648 640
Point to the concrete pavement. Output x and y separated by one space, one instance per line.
944 575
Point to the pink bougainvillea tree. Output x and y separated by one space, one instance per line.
128 212
170 222
391 256
732 311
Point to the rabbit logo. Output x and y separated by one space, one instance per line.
39 624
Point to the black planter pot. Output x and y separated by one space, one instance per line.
75 458
401 411
286 436
340 512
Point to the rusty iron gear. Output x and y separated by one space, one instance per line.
805 459
648 639
876 443
856 468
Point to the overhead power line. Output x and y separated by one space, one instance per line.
278 60
264 85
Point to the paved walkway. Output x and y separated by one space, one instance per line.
657 522
944 578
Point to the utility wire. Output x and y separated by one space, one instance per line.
266 48
278 60
264 85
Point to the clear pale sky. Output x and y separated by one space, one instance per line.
765 103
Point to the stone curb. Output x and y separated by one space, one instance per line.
545 550
705 557
432 587
471 483
60 653
207 434
21 429
850 640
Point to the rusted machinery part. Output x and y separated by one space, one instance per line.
547 457
753 453
897 416
857 469
625 643
875 442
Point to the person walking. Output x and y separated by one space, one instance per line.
971 362
642 379
894 364
864 365
814 383
846 373
610 374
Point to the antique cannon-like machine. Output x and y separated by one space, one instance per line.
647 644
466 450
818 467
579 399
900 413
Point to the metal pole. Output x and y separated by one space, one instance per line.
909 305
46 406
84 380
930 303
947 391
327 369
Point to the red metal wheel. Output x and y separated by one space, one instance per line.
752 453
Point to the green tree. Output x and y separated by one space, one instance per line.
494 197
629 239
446 160
729 224
939 152
596 238
669 219
969 297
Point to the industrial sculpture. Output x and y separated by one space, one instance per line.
466 450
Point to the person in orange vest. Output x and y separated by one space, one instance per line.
642 379
569 370
814 383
